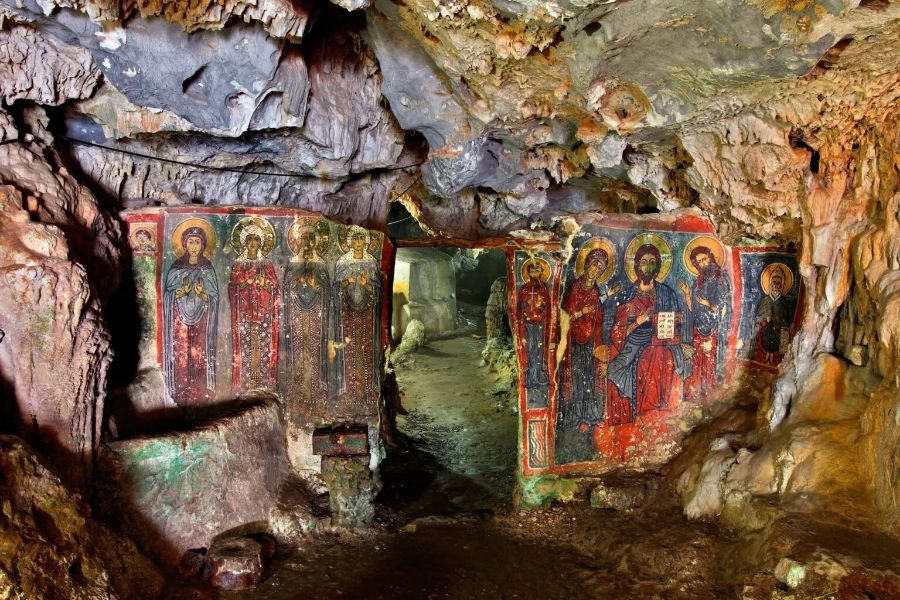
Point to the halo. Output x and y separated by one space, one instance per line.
187 224
295 233
322 229
149 228
543 264
765 277
239 234
712 243
588 247
665 254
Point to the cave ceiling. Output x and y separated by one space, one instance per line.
507 113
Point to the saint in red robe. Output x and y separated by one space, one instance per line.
255 304
583 382
644 367
533 303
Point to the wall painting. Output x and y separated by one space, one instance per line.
263 299
624 343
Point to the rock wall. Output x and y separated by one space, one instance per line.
51 548
424 289
176 492
59 262
833 418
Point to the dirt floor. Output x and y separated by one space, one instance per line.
446 529
458 439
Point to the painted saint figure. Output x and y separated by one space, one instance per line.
190 308
709 303
306 293
358 284
142 242
651 339
533 304
255 305
773 314
584 364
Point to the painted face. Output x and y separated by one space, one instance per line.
194 246
357 242
776 286
253 244
647 268
594 268
703 261
534 272
324 243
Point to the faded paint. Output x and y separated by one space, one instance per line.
634 364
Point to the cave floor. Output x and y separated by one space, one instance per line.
446 528
575 551
457 443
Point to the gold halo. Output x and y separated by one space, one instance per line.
268 241
296 231
187 224
709 242
588 247
149 228
765 277
665 254
543 264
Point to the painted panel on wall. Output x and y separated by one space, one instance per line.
646 323
770 298
262 299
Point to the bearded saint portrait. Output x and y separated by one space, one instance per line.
708 301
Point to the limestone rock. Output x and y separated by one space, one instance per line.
38 68
701 488
351 490
279 17
158 487
55 350
413 339
50 545
790 573
620 498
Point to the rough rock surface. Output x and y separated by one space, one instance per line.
51 548
58 260
235 563
178 491
351 490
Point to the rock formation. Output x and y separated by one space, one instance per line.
493 122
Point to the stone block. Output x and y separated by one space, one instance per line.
235 563
624 497
351 490
790 572
178 491
424 289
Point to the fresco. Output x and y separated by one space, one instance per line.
262 299
770 297
646 323
534 281
142 239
